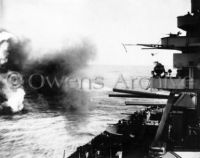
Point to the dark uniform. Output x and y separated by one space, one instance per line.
159 70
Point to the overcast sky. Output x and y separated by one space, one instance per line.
107 23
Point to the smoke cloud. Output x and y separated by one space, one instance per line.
12 93
49 65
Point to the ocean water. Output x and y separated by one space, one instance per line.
42 132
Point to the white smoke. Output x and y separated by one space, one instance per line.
11 87
14 95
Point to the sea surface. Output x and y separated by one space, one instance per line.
42 132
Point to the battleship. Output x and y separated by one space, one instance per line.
160 130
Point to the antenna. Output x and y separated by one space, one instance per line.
125 46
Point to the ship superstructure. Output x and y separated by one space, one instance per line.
161 129
181 117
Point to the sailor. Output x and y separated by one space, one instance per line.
159 70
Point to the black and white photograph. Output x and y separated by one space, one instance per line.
99 79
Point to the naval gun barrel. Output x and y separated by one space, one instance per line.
136 103
195 6
137 96
140 93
